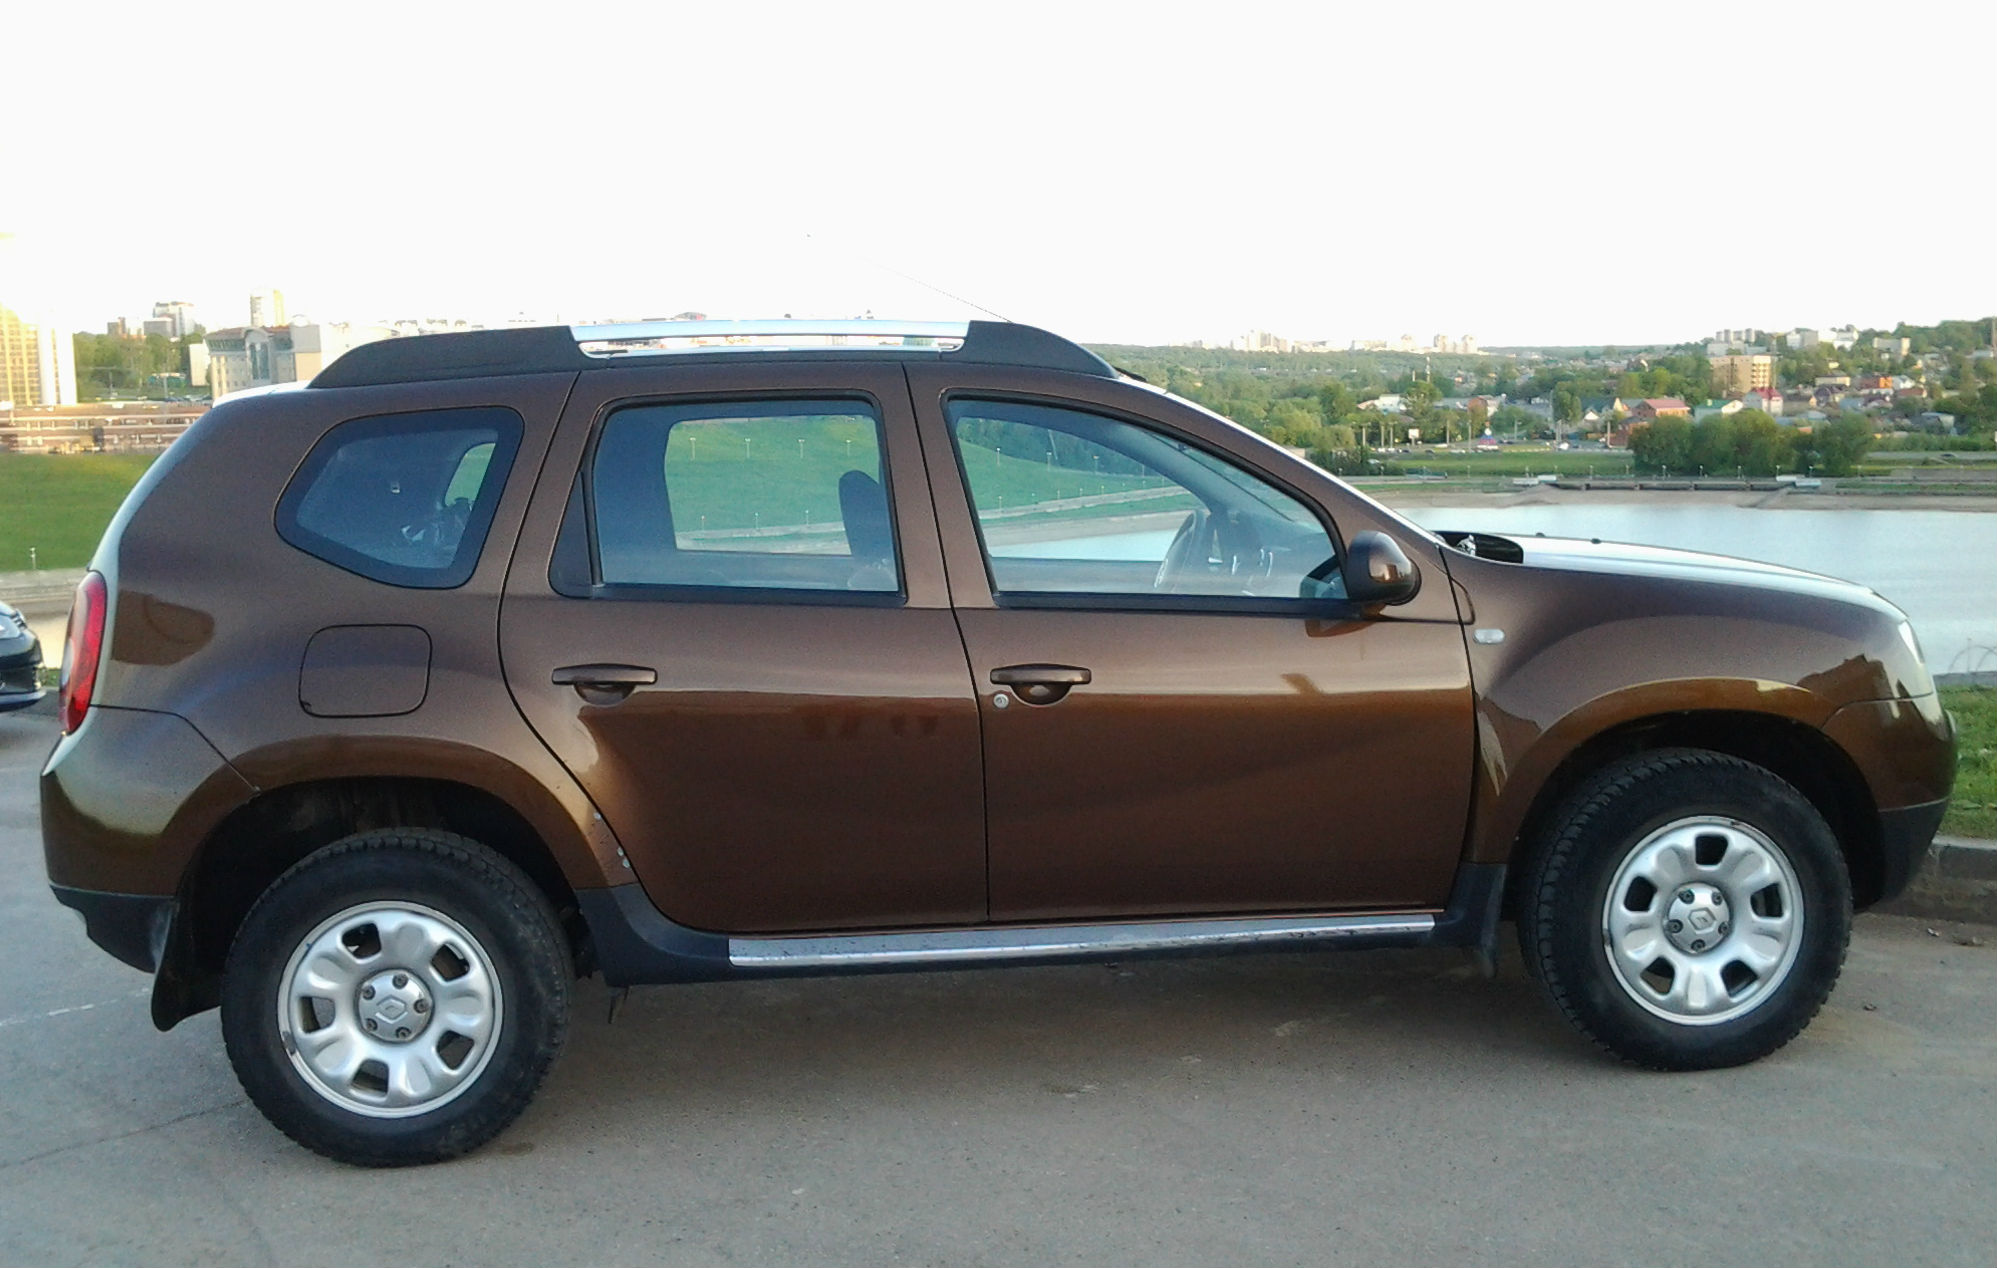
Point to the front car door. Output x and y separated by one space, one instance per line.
728 618
1170 726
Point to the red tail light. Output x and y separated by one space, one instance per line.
82 648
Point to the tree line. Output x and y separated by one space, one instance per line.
1749 442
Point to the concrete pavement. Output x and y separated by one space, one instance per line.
1282 1109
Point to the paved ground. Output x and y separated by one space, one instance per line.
1289 1109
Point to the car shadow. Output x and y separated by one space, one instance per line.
1152 1028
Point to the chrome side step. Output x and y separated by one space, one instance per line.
938 948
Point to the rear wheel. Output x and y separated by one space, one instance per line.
396 997
1687 910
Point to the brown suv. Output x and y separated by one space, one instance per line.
688 651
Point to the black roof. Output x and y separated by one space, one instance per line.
475 354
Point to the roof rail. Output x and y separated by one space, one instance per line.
543 349
647 338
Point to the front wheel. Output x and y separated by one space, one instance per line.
396 997
1687 910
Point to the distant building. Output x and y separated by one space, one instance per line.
258 356
1650 409
1736 374
267 309
1768 400
37 362
1715 409
178 315
1892 345
1843 338
1801 340
1391 403
1261 341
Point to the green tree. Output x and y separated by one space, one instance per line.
1335 400
1662 446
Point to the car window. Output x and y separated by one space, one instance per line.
404 499
767 495
1072 502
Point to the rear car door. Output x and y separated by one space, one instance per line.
728 618
1170 727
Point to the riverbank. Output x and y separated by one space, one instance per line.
1465 493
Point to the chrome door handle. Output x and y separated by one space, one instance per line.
1041 684
604 684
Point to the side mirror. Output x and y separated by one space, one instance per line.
1377 570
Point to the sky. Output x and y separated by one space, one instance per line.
1546 173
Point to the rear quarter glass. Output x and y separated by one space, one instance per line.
404 499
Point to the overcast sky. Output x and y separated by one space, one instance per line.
1528 173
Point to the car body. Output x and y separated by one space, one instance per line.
20 662
695 651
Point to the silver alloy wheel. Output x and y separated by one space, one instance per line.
389 1009
1703 920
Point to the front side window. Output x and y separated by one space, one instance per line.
759 495
404 499
1075 503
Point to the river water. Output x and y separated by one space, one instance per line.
1939 567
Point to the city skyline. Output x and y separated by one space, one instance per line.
1099 172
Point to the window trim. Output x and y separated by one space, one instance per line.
584 488
1121 601
509 429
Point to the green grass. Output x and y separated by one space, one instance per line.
1973 810
58 505
1513 460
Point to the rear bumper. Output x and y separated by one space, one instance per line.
132 927
1904 838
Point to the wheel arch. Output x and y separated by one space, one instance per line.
278 827
1796 752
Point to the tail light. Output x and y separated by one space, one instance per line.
82 647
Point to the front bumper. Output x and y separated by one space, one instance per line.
20 674
1904 837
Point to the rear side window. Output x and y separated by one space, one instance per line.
772 496
404 499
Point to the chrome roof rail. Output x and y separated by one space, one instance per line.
651 338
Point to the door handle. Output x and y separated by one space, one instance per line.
1041 684
604 684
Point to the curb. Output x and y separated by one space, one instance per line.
1957 881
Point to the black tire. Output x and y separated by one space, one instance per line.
500 938
1642 804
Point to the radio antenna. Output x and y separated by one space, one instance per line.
909 277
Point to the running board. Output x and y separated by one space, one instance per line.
634 943
1048 943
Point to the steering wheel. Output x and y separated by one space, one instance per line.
1188 545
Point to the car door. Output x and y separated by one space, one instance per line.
728 619
1169 726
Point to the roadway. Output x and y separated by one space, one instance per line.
1286 1110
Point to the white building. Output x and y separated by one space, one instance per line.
267 309
178 315
258 356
